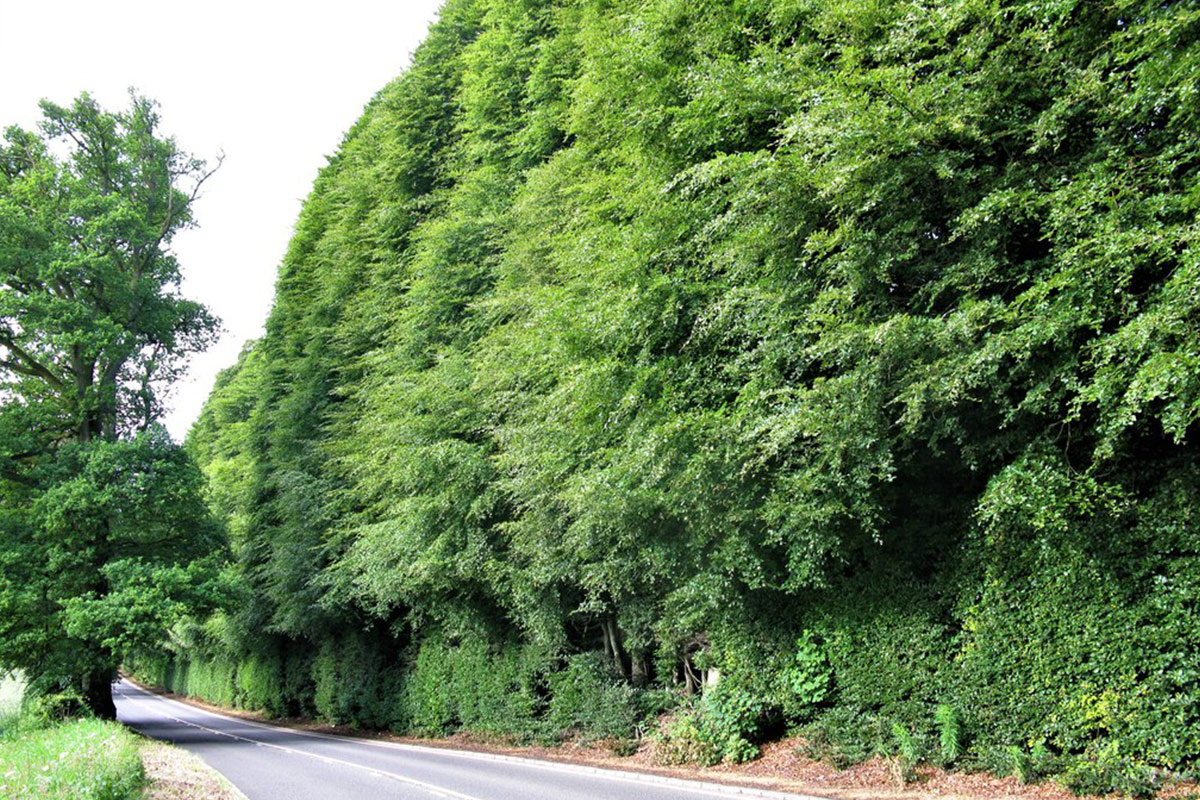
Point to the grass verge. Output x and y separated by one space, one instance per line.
93 760
83 760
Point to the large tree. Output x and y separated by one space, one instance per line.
96 502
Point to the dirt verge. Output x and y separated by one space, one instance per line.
175 774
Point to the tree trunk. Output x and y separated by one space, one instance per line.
690 683
640 668
83 380
97 693
612 638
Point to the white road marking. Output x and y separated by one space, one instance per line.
681 784
429 787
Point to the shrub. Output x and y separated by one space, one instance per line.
354 682
298 687
498 690
1098 777
804 683
1080 629
684 740
726 724
213 680
587 700
44 710
429 706
844 736
887 654
476 687
259 680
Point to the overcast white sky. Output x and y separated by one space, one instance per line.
274 85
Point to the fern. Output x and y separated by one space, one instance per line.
1022 765
908 753
950 732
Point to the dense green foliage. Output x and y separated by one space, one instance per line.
105 540
847 350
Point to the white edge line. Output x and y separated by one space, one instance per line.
697 787
228 785
440 791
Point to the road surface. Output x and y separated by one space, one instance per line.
271 763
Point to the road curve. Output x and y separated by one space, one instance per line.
271 763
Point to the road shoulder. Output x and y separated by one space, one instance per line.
173 773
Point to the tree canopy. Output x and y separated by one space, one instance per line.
105 531
682 333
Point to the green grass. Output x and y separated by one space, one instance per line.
84 760
81 760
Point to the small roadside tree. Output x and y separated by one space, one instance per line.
99 511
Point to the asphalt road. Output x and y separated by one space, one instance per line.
271 763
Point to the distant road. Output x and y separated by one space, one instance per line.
271 763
